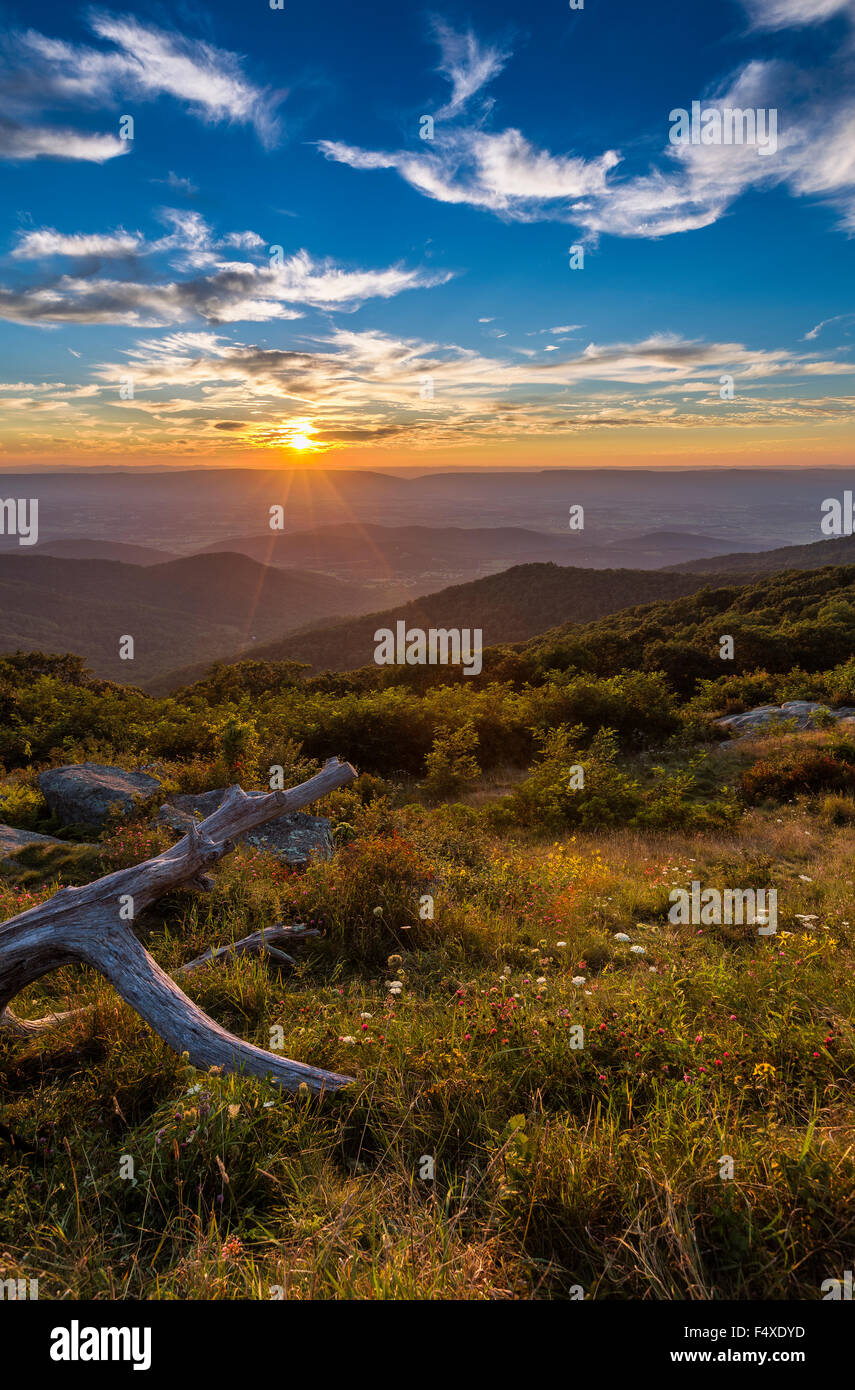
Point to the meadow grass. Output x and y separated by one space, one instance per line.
480 1153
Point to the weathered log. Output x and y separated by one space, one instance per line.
92 925
257 943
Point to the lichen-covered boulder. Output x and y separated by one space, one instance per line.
806 714
12 839
86 793
296 839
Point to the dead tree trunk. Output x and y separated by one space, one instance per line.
90 925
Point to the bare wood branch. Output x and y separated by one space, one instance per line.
257 943
85 925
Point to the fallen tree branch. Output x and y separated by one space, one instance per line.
257 943
264 942
90 925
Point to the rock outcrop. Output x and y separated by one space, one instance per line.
86 793
296 839
803 712
12 839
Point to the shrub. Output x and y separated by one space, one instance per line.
451 764
556 794
794 771
22 806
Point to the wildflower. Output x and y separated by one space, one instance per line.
621 936
347 1039
578 980
366 1015
638 950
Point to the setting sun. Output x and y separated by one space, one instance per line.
300 441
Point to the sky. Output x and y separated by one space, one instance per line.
342 236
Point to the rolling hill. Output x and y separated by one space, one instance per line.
86 549
816 555
507 607
802 620
198 608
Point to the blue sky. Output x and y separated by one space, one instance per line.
277 267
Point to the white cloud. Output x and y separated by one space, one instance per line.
49 242
467 63
817 329
787 14
501 173
19 141
226 290
141 63
178 184
690 187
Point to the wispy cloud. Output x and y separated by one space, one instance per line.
49 242
138 62
690 186
218 287
467 63
20 141
788 14
825 323
501 173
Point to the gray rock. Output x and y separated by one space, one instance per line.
86 793
198 805
12 839
801 712
296 838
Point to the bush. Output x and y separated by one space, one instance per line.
567 787
22 806
451 764
794 771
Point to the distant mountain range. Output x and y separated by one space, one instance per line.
446 553
194 609
185 510
317 594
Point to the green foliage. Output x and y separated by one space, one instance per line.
23 806
452 765
569 787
